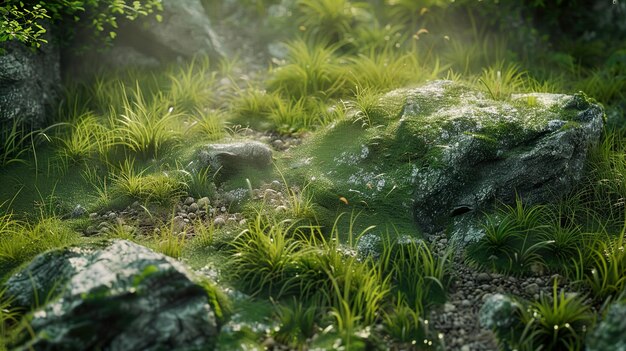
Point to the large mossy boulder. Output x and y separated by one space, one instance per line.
444 151
30 82
115 295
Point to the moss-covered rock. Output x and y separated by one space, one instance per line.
439 152
499 313
114 295
611 331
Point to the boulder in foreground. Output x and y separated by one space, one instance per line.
114 295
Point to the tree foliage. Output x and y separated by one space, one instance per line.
24 21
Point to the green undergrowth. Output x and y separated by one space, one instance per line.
371 160
559 321
580 237
334 284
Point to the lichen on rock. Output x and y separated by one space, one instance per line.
445 151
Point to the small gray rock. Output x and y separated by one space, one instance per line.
203 203
230 158
189 200
483 277
532 289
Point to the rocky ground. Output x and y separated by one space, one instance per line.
458 319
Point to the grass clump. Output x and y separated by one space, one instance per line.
86 137
606 271
209 125
558 321
13 147
265 257
331 20
354 292
9 318
309 71
515 240
502 79
191 87
21 241
298 323
160 188
145 127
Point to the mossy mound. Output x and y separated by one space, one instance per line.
443 150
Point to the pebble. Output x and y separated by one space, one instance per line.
189 201
203 203
91 230
281 208
193 208
192 216
93 215
448 307
483 277
219 221
532 289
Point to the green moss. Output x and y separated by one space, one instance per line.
375 167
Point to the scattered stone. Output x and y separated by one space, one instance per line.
91 230
483 277
188 201
178 224
193 208
230 158
448 307
78 211
219 222
203 203
532 289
